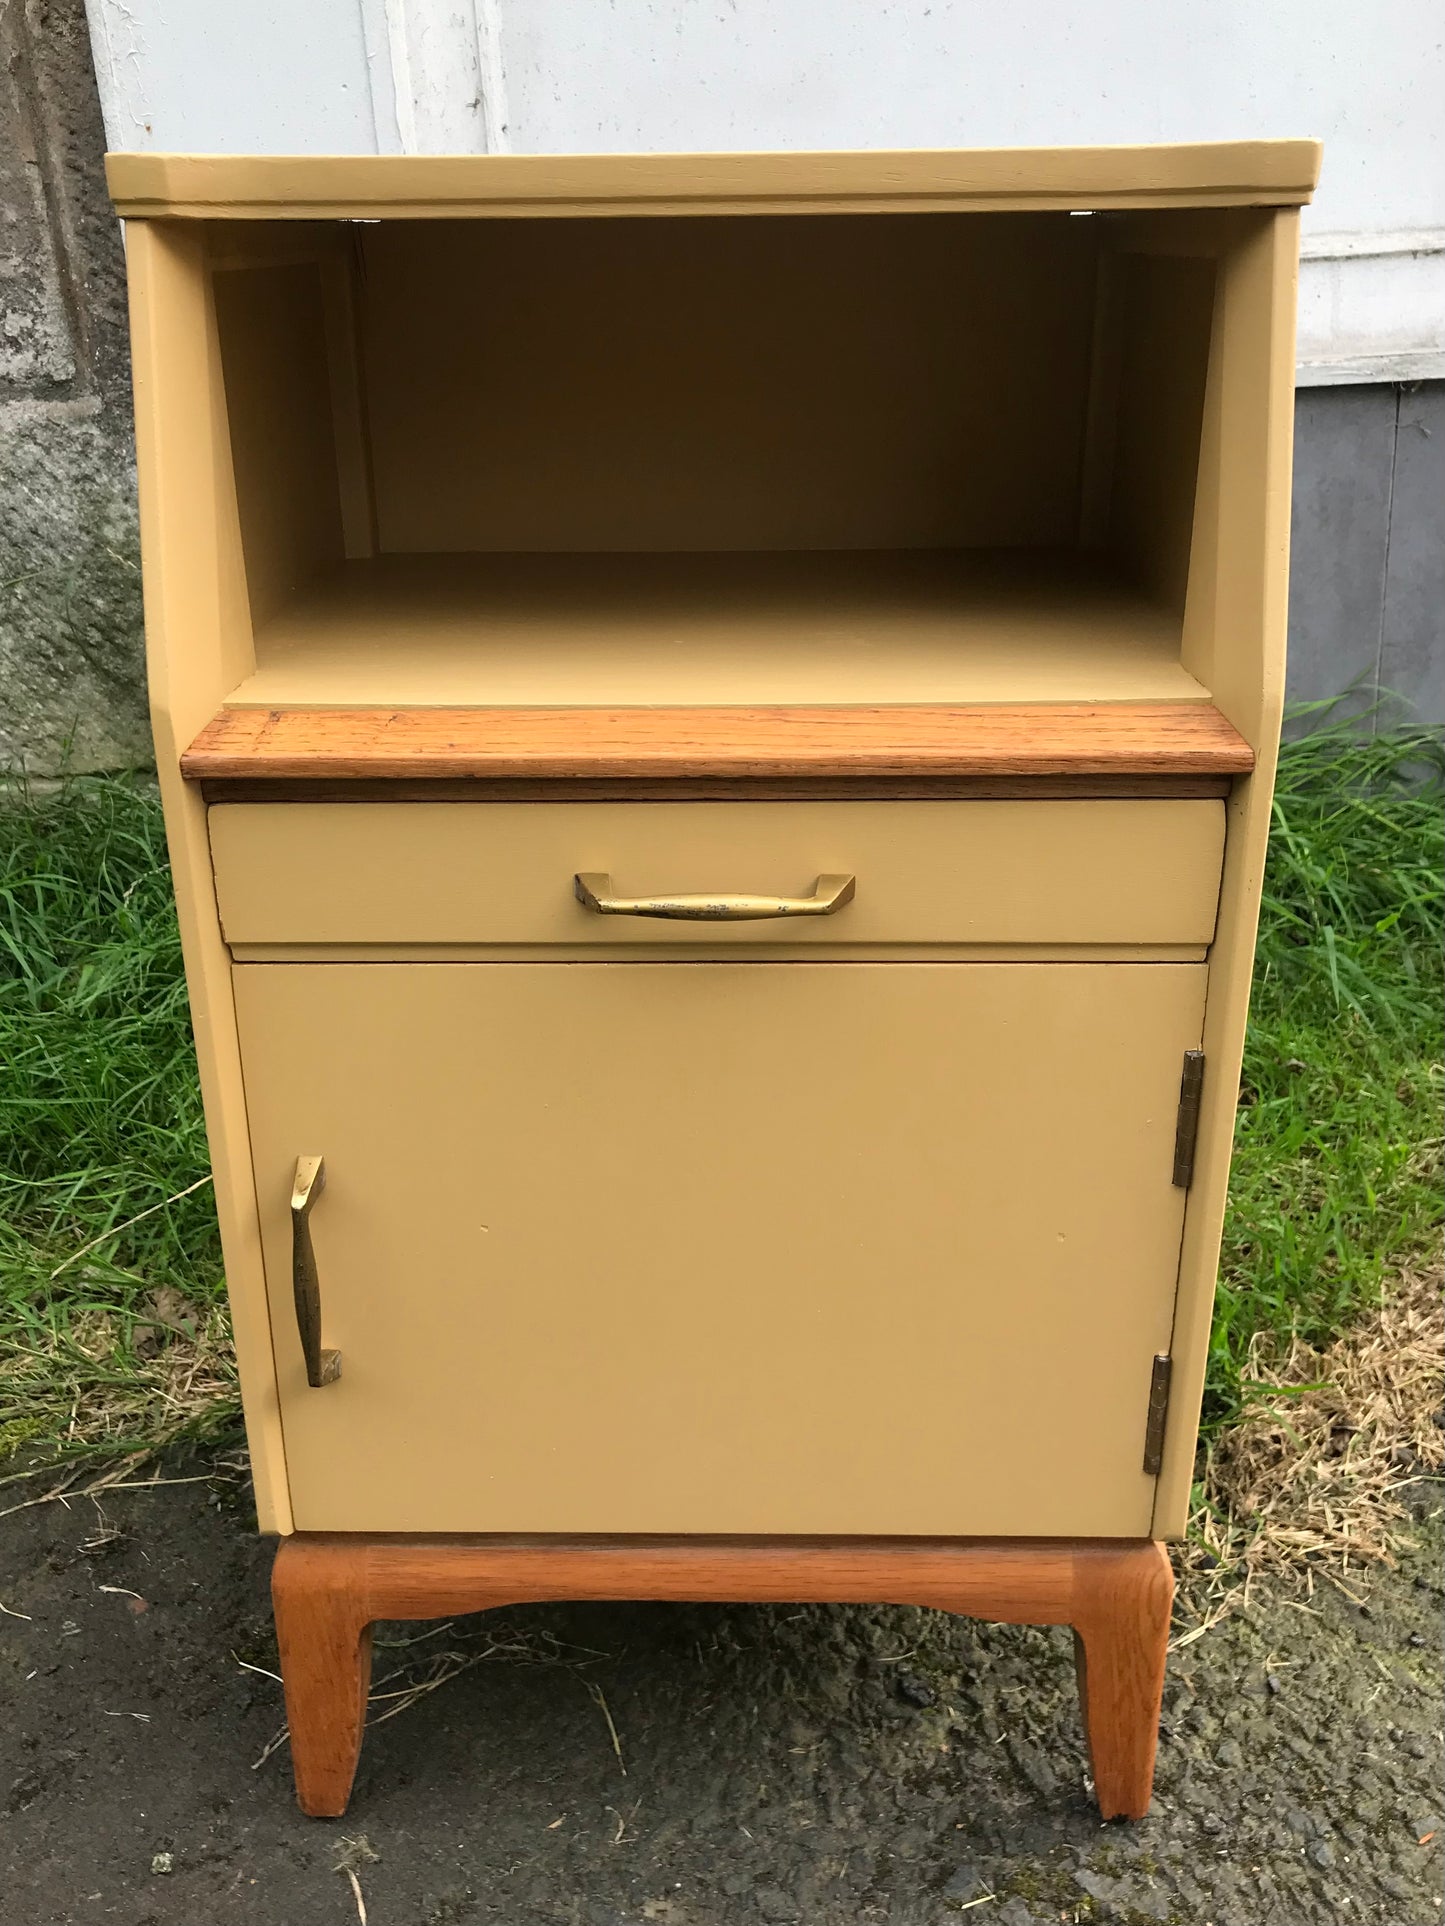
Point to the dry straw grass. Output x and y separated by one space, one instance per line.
1316 1477
106 1381
494 1642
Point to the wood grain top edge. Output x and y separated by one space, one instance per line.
983 740
1276 172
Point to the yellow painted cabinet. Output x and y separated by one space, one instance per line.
711 815
723 1247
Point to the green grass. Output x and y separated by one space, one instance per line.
101 1139
100 1114
1336 1171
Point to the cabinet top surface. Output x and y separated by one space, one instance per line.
275 186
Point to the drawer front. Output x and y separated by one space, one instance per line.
646 1248
927 873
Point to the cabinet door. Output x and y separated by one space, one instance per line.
723 1247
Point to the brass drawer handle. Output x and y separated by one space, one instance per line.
322 1367
830 893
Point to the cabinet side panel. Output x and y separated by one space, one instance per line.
197 647
1165 305
1235 641
271 326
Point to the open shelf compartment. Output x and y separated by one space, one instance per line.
943 458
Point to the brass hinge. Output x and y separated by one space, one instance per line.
1186 1131
1158 1412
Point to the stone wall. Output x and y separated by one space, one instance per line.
1367 602
72 682
1367 560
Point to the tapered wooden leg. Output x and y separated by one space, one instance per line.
1122 1600
330 1587
324 1637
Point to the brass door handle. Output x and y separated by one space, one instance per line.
594 891
322 1367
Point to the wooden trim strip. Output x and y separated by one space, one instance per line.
763 954
991 741
278 789
320 186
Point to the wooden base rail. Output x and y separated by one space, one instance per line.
329 1589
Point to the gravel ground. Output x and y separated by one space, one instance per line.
770 1764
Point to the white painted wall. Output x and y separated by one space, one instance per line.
549 76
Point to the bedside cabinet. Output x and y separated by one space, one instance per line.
716 718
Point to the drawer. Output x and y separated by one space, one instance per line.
926 873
